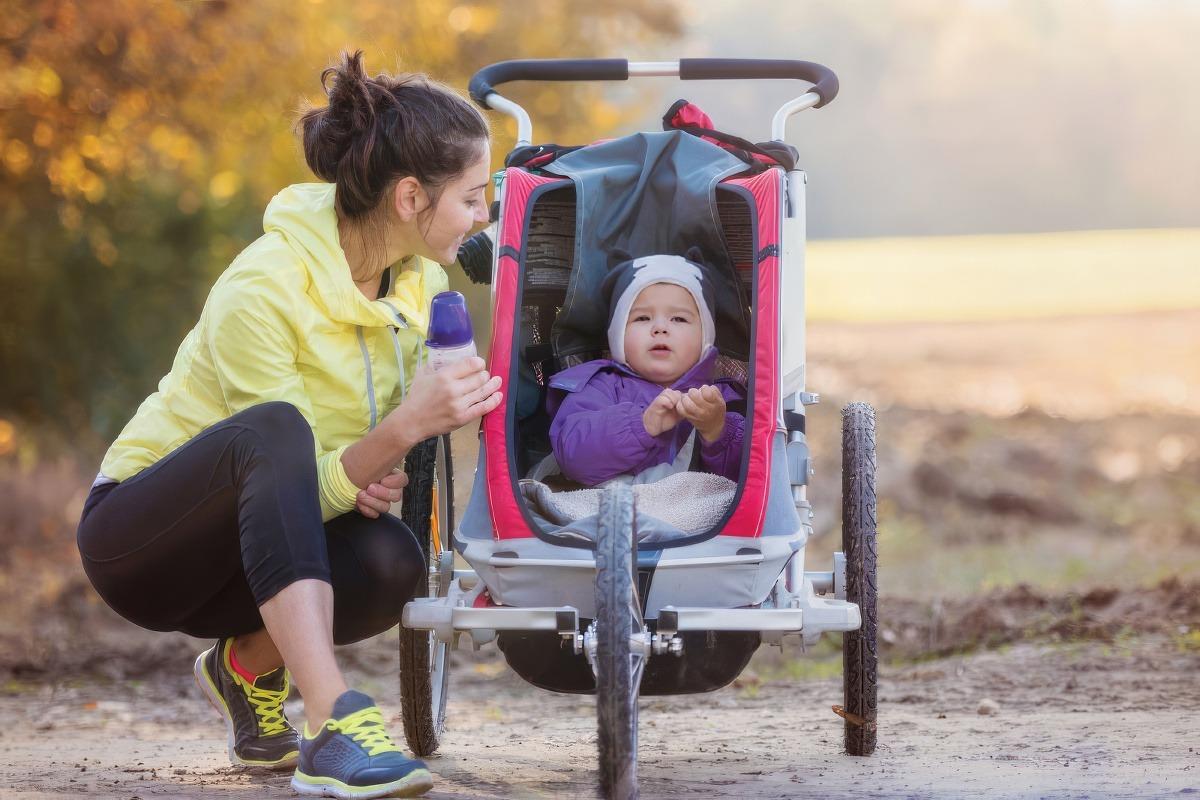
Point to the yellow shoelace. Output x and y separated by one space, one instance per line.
268 705
366 727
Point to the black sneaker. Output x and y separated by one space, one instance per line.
259 733
352 757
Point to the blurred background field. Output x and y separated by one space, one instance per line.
1003 276
1003 260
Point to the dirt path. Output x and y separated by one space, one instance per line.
1074 720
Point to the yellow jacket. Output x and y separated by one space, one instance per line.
286 322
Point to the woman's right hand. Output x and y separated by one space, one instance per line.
439 402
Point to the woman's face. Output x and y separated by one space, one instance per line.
461 206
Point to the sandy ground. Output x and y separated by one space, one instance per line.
1074 720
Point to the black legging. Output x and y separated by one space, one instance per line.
199 540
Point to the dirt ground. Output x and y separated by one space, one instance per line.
1089 695
1039 549
1073 720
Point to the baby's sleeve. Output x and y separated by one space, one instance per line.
595 437
724 456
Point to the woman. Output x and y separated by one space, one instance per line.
247 498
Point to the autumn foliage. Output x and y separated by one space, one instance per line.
140 140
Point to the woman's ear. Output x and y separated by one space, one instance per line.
409 198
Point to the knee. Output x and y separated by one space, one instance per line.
377 567
278 426
391 557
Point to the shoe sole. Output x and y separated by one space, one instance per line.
414 784
210 691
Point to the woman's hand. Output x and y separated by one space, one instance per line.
705 408
439 402
377 498
661 415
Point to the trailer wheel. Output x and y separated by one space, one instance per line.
618 669
860 655
428 510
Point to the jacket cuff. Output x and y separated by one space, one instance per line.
338 493
729 436
640 434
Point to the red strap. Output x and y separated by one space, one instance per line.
689 115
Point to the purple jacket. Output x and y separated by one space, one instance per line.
597 432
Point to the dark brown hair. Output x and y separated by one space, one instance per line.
379 129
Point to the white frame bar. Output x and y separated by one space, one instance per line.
654 69
779 121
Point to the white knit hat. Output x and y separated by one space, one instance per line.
626 281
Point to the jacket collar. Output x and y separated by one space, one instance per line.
303 214
575 378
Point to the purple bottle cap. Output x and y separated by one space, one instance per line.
449 322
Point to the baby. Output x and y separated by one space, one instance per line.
632 416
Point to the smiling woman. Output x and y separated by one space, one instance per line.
266 461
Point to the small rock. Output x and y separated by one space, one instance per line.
988 706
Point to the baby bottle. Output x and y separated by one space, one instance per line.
450 337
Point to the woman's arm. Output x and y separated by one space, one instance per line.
436 403
254 350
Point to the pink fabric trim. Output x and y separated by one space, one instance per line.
747 518
507 519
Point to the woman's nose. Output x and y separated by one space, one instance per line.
481 213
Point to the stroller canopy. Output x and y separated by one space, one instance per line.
644 194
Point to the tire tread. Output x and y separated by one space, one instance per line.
616 715
421 730
860 654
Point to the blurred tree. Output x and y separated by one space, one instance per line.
140 140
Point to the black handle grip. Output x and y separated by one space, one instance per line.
825 82
485 80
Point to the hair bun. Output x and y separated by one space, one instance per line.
375 130
330 132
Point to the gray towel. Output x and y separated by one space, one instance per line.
688 502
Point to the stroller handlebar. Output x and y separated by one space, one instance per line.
824 81
483 82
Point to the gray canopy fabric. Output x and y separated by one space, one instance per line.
645 194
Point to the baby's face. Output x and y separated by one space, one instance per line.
663 334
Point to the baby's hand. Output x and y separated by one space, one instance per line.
705 408
662 414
